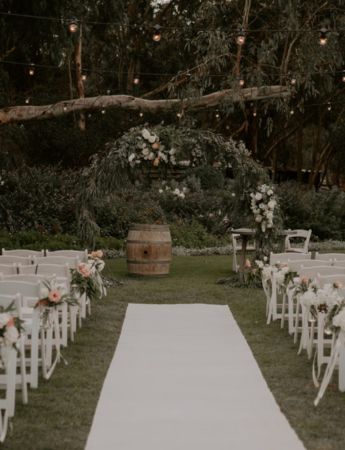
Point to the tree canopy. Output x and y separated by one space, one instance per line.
112 54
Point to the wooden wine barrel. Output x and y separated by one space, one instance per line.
148 250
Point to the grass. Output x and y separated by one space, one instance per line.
60 411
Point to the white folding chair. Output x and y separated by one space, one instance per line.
302 244
72 261
276 258
8 269
19 379
12 259
82 255
29 294
337 276
23 252
8 380
62 277
332 256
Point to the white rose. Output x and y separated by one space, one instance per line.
172 151
258 196
146 151
11 335
271 204
44 291
145 134
259 263
258 218
152 138
4 318
270 192
151 156
131 157
160 191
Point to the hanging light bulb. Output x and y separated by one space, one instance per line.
157 35
32 70
73 25
240 81
241 37
323 36
136 80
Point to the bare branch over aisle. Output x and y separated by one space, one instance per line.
30 112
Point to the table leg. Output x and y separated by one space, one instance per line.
243 257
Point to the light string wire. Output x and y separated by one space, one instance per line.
67 20
182 73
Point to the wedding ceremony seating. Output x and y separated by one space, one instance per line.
26 276
309 289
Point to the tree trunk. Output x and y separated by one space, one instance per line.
299 159
130 103
78 76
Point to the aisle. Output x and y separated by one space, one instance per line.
184 378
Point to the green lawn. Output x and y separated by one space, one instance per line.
60 411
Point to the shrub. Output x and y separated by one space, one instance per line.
323 211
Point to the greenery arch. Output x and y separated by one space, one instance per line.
162 152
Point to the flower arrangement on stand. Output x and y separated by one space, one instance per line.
264 206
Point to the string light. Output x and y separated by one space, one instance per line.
157 35
108 91
141 114
73 25
179 115
254 113
240 81
323 36
293 81
103 111
136 80
292 112
343 77
329 106
32 70
27 101
65 108
241 37
83 77
217 115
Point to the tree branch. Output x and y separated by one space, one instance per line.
130 103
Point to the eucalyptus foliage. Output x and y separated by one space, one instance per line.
193 150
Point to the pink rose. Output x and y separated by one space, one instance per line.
54 296
83 270
247 264
304 280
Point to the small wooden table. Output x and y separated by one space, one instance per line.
245 234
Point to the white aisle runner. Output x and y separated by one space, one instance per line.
184 378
